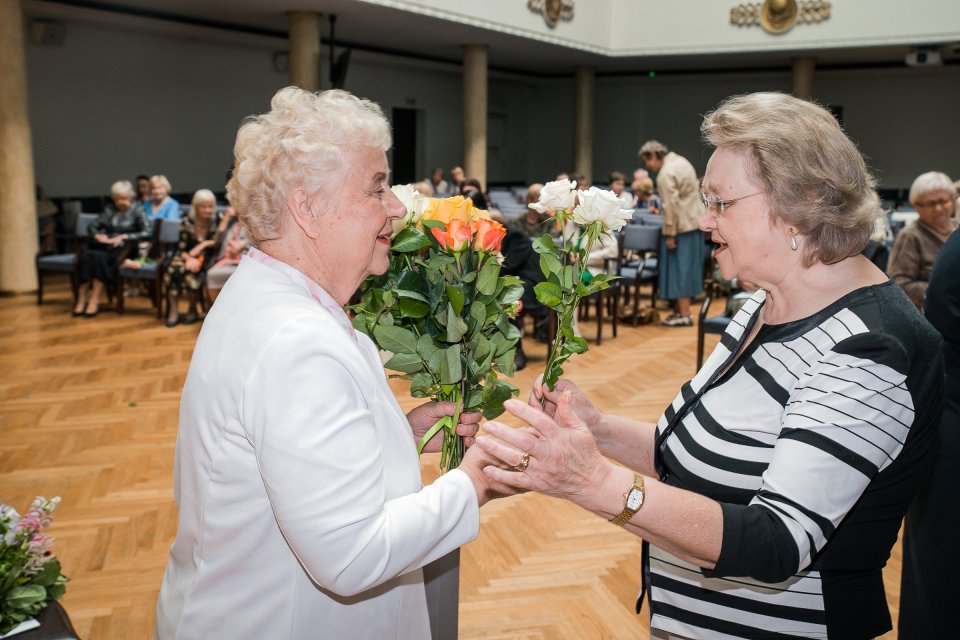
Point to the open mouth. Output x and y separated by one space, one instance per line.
721 246
385 237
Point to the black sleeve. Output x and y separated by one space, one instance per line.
756 543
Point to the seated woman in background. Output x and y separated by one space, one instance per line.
233 239
917 245
194 249
161 206
120 221
646 199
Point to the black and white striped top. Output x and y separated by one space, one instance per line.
814 441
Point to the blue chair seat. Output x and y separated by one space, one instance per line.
57 262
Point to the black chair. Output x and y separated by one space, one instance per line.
640 245
713 324
65 262
166 234
605 299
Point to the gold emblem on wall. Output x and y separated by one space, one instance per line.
552 10
778 16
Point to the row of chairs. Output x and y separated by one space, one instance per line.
166 234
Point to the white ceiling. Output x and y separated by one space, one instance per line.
374 27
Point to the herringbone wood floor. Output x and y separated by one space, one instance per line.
89 412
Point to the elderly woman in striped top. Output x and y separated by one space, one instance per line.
771 490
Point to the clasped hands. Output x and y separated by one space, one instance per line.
556 454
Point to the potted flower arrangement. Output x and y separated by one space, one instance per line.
30 575
444 311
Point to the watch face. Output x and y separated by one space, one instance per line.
634 499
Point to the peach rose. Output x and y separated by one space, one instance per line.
489 235
456 237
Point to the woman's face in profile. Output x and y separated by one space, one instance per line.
356 232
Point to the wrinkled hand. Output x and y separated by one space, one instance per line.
580 404
426 415
564 459
192 264
475 460
671 243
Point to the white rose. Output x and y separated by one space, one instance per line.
412 201
556 195
604 206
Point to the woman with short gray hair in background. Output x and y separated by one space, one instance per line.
917 245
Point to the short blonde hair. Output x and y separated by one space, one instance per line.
162 179
200 195
928 183
814 174
123 188
643 186
297 144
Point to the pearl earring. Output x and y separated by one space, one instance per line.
793 242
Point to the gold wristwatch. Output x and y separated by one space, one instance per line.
632 501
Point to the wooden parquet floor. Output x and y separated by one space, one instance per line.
88 411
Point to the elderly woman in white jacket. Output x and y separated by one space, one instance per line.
302 510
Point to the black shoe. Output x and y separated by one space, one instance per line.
190 318
172 323
87 314
76 314
519 360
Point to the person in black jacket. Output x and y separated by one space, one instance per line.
120 221
930 567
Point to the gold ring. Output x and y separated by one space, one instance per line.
524 461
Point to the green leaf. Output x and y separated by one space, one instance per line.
389 299
478 317
421 385
435 361
48 574
511 294
432 224
550 264
451 371
456 327
425 347
500 393
578 345
487 280
411 308
395 339
506 362
409 239
405 362
549 294
455 296
411 295
22 597
56 591
545 244
508 329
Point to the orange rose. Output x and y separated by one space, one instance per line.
457 236
446 210
489 233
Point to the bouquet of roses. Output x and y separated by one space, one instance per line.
595 212
29 573
444 311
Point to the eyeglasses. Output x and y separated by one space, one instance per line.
713 203
930 204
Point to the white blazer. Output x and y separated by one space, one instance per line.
302 510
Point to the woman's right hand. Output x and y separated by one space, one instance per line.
542 397
474 460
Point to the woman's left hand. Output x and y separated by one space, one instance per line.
562 457
427 415
192 264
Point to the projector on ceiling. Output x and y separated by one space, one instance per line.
923 58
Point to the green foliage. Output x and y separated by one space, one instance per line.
446 319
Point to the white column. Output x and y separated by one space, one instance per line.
305 49
475 112
18 215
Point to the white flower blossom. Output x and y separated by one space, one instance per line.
556 195
412 201
601 205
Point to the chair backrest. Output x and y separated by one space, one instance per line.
648 219
639 237
169 231
82 227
